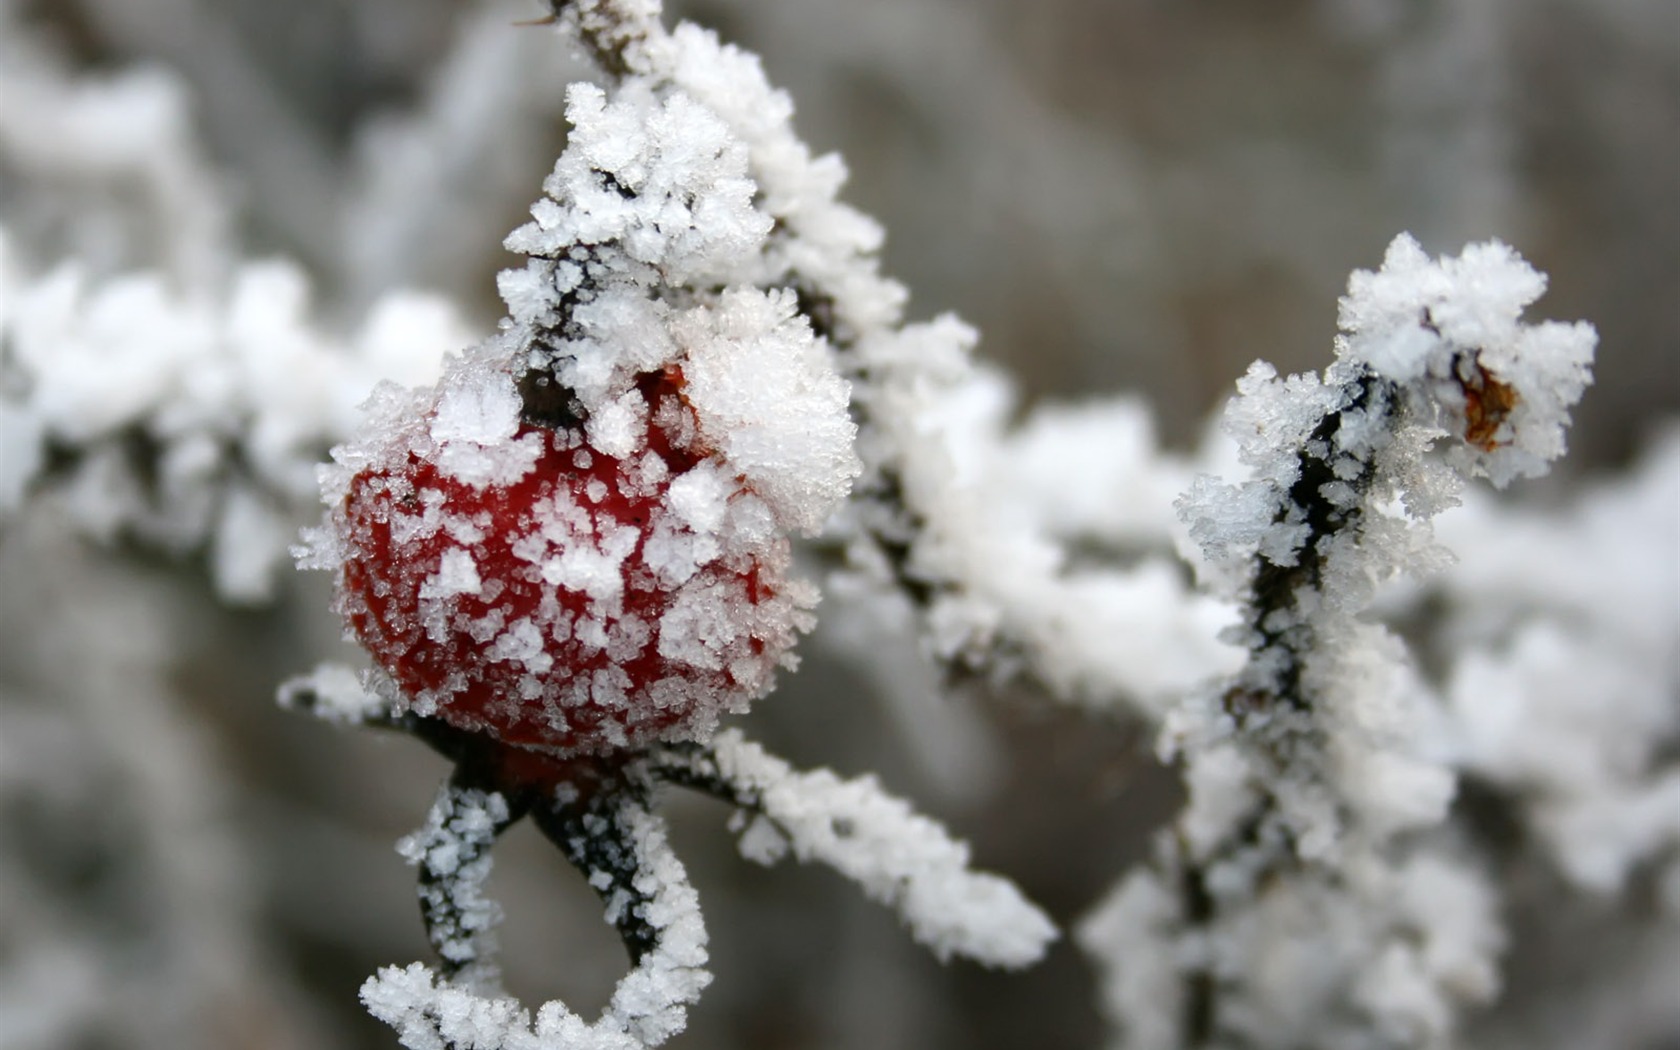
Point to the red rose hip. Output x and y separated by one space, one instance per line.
514 579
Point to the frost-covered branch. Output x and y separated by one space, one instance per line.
1564 708
991 594
1283 907
189 420
106 170
621 847
597 811
900 858
452 852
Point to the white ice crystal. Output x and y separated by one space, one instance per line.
899 858
760 383
234 396
1316 770
1453 327
648 1007
819 241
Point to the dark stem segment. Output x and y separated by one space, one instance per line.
448 889
591 828
1257 696
1276 586
457 745
694 766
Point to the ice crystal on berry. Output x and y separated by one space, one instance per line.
580 588
579 539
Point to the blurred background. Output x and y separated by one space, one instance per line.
1123 195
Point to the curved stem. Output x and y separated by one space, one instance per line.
592 826
452 853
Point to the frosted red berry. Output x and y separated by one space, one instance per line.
590 603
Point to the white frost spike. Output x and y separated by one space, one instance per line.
474 423
763 385
483 413
661 179
899 857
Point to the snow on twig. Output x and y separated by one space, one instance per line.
452 851
1299 899
635 868
190 420
900 858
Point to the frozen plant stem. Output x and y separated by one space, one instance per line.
1268 702
598 811
571 557
1285 891
452 853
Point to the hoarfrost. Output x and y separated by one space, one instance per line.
235 394
900 858
650 1003
454 849
1316 772
758 378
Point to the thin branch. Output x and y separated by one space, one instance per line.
590 823
897 856
452 852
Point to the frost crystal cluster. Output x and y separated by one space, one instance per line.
1304 896
189 419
